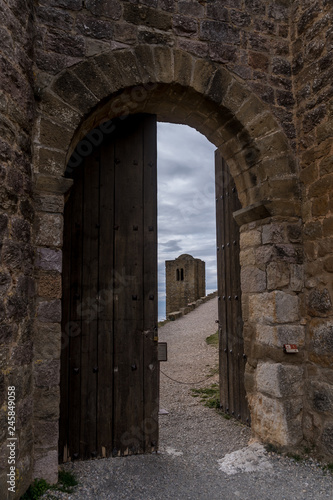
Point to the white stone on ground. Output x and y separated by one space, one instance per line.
249 459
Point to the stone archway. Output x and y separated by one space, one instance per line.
182 88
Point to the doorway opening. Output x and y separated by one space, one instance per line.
110 368
186 203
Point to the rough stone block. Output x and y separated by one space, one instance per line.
313 230
287 307
247 257
55 18
216 31
202 75
183 65
327 439
53 107
47 374
71 90
50 162
321 395
319 302
235 97
199 49
155 37
63 43
278 380
53 135
253 279
105 8
146 63
296 277
49 311
49 203
219 86
328 226
291 334
49 229
269 421
94 28
88 73
49 286
145 16
48 259
163 57
47 434
250 238
223 53
5 282
184 26
47 344
277 275
20 230
265 254
128 67
46 403
273 308
191 8
322 337
262 308
328 265
323 186
46 466
66 4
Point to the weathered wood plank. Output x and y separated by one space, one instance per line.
128 310
231 345
105 303
150 297
90 287
74 329
66 318
221 279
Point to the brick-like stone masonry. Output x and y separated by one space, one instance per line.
255 77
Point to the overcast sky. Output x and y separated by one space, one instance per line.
186 201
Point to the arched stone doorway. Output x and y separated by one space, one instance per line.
184 89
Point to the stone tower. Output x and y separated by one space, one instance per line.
185 282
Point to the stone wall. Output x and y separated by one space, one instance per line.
272 280
185 282
254 76
17 285
312 42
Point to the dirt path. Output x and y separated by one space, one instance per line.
194 439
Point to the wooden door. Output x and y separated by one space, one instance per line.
109 367
231 346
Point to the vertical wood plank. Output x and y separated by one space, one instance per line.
150 362
66 318
221 270
236 333
128 307
228 281
74 328
90 286
232 362
105 303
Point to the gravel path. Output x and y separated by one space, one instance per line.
193 439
